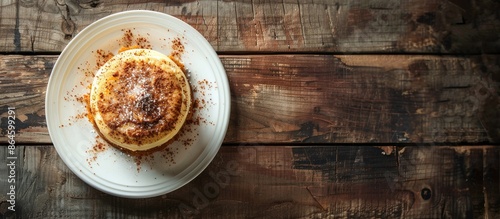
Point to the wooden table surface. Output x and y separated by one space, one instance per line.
339 109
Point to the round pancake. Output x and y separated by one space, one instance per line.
139 100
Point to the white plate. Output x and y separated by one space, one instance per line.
112 171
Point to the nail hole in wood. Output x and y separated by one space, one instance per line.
426 193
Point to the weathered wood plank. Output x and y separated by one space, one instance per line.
475 171
23 82
280 182
491 187
318 98
454 26
362 99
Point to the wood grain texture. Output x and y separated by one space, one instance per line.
443 26
281 182
362 99
23 82
318 98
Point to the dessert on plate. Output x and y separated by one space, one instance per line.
139 100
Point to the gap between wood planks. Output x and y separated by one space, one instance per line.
465 145
228 53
